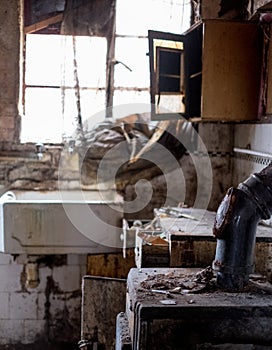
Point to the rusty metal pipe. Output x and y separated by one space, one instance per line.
235 229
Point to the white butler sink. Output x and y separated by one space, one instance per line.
54 222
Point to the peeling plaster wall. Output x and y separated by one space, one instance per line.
20 168
48 313
51 311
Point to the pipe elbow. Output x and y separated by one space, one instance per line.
235 228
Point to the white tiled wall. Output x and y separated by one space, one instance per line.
28 315
256 137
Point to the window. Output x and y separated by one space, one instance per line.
65 76
51 99
133 20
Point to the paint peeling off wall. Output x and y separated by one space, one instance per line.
48 313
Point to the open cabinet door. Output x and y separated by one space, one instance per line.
193 42
213 72
232 65
175 74
166 59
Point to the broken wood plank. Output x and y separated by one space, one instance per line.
43 24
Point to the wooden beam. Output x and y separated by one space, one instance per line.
43 24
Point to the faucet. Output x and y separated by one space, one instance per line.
71 145
39 150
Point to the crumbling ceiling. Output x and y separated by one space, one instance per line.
74 17
94 17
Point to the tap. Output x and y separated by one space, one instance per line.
39 150
69 143
71 146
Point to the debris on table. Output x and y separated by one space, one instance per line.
179 283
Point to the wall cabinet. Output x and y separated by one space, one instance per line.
212 72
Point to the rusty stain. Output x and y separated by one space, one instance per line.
23 279
224 212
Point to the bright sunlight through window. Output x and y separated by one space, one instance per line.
65 76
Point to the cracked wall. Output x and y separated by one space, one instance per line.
48 313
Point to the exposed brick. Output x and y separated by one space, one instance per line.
7 134
8 89
7 122
24 173
8 108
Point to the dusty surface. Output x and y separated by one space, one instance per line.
194 286
200 316
182 283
